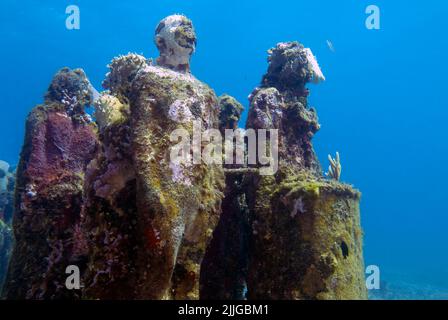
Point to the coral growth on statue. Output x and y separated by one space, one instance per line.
60 141
107 197
155 216
294 234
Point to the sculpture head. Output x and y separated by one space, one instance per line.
72 83
291 67
4 169
176 40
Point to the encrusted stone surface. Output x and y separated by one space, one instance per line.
305 238
156 216
178 203
110 199
224 269
59 143
310 230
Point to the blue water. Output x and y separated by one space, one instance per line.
383 106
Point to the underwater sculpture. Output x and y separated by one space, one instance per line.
309 227
294 234
7 182
155 216
59 142
4 170
224 269
109 199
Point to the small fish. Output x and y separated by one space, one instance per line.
330 46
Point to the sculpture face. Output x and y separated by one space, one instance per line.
176 40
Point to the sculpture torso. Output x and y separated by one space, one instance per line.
178 203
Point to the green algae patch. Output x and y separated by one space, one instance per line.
310 230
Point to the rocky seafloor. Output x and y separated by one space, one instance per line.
103 195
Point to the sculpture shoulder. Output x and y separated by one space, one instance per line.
161 74
160 77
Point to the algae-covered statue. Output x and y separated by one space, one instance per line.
294 234
109 199
60 141
155 215
308 226
176 41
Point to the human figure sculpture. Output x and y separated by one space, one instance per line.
174 207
